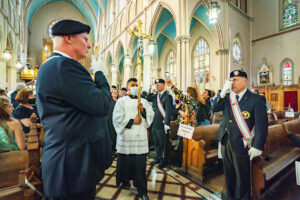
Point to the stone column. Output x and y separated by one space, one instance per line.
2 73
114 75
147 72
127 70
183 63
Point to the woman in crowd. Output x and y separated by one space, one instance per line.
203 113
25 109
11 133
112 131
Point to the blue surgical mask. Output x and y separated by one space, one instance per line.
134 91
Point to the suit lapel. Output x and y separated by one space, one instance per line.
244 99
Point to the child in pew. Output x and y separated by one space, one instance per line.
11 133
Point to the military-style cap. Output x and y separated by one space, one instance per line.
160 81
238 73
69 27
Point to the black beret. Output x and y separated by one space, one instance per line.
69 27
160 81
238 73
124 89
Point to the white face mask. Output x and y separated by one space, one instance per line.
134 91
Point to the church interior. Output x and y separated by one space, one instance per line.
192 43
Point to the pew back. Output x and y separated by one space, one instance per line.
293 126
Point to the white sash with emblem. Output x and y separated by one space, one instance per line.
161 108
240 121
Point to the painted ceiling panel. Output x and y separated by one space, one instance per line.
170 30
135 43
161 40
200 13
193 22
121 54
164 17
121 65
84 9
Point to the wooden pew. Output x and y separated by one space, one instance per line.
293 126
197 153
278 155
12 174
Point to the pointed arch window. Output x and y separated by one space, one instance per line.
288 13
287 71
171 64
201 63
237 50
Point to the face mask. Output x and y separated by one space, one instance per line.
31 101
134 91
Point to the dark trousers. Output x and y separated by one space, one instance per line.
237 172
88 195
161 140
132 167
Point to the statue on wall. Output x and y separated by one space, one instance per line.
264 74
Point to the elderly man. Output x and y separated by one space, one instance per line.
163 108
73 112
242 132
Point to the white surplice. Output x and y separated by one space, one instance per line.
132 140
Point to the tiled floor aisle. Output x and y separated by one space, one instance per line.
162 185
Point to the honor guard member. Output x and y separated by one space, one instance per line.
163 107
242 133
73 110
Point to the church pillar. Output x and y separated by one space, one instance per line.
147 72
183 63
114 74
3 74
127 70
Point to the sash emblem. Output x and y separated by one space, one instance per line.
245 114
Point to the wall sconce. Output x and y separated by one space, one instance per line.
6 54
18 64
151 47
127 60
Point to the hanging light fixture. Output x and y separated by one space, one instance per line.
151 47
214 11
127 60
6 54
18 64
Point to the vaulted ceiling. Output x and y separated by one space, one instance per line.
90 9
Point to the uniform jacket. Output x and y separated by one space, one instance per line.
73 110
167 102
255 105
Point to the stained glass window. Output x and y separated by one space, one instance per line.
237 50
201 64
171 64
287 72
50 28
288 13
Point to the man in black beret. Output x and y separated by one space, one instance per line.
122 92
73 110
163 106
242 132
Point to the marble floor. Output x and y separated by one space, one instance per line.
163 184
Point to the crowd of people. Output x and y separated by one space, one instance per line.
88 123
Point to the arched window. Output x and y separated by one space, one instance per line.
288 13
201 63
171 64
237 50
110 17
287 71
121 5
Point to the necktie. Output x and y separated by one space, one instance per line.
237 97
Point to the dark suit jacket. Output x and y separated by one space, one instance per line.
73 112
167 102
256 106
